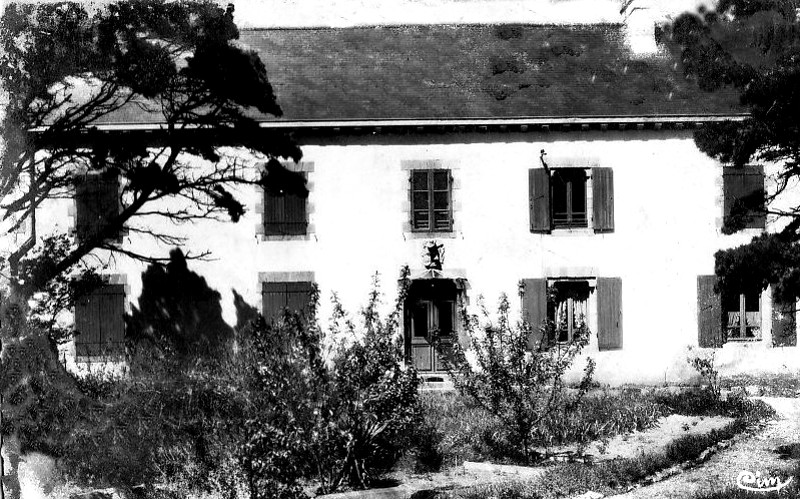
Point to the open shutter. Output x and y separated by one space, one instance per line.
603 199
745 185
534 308
539 191
609 313
709 313
784 327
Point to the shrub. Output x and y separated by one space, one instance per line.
339 415
523 388
703 363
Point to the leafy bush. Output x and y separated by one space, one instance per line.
523 388
704 402
339 415
703 363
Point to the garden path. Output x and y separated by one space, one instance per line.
756 453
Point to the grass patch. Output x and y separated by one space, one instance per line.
770 384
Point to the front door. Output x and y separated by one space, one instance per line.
430 317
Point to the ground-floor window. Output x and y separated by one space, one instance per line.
567 308
742 315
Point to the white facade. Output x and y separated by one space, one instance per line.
668 215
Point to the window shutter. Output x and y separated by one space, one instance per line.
87 327
784 327
534 308
273 297
97 199
609 313
285 213
603 196
709 313
279 295
295 209
539 186
100 321
745 185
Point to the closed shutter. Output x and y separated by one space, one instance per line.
279 295
285 213
709 313
100 322
784 327
609 313
534 309
97 199
745 185
603 199
539 191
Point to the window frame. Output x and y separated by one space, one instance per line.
430 191
568 180
92 299
570 301
742 327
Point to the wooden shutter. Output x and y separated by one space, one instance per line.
99 321
539 191
609 313
709 313
534 308
97 199
279 295
784 326
745 184
285 213
603 199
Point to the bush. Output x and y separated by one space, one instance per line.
523 388
338 415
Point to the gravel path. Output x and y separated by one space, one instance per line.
755 453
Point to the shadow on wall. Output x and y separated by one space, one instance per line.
245 313
178 312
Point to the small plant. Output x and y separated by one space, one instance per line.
703 363
523 388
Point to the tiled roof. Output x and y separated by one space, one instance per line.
472 71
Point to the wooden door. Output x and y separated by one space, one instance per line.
431 321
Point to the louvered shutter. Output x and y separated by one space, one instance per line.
298 295
745 185
87 328
609 313
539 191
534 309
709 313
784 327
603 199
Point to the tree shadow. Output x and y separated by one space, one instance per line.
245 313
178 313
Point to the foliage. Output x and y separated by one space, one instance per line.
339 415
703 364
783 384
524 388
752 46
705 402
65 66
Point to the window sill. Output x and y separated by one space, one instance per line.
579 231
421 234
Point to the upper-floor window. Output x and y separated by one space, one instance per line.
568 198
560 199
285 209
744 202
431 200
97 204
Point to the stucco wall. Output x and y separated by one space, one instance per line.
668 211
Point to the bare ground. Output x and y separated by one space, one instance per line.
756 453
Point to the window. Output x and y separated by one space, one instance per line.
294 296
559 199
743 192
285 211
563 303
97 204
742 315
567 309
431 200
99 321
568 198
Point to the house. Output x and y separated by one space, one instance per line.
551 159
